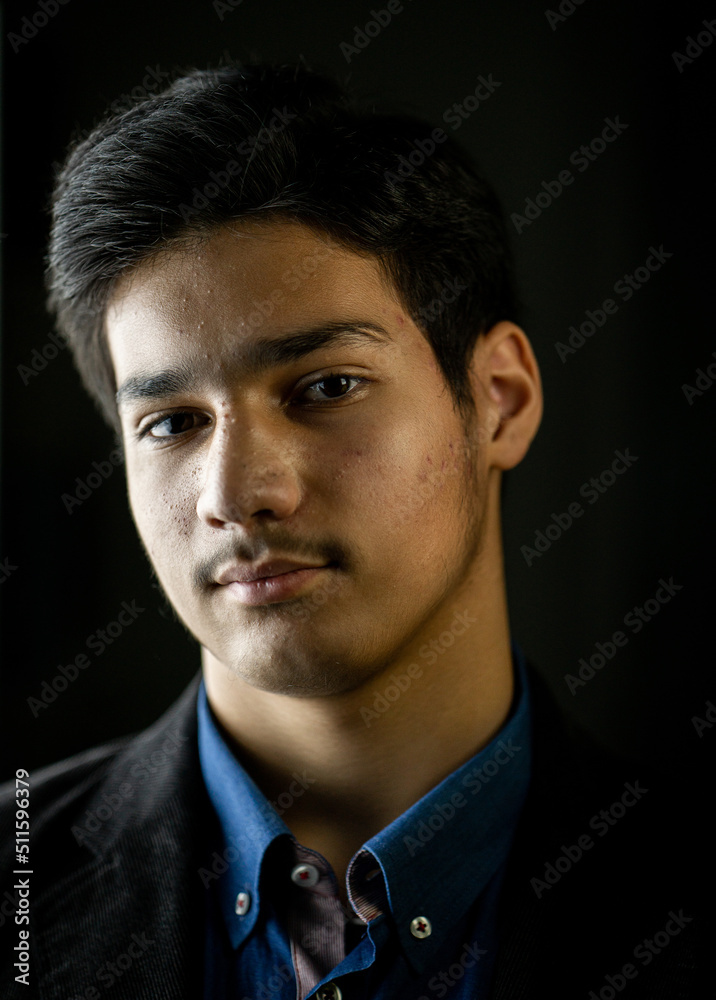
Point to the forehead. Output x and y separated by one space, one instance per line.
246 281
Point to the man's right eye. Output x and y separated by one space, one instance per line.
172 425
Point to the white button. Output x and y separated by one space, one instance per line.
329 992
420 927
306 875
243 903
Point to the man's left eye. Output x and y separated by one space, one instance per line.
330 387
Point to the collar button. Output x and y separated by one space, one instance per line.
420 927
243 903
305 875
329 992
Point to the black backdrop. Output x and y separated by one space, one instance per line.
65 574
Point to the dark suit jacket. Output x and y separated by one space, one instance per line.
120 913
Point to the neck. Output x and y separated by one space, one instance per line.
352 763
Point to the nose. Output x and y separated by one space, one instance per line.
248 476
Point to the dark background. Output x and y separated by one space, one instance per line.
621 390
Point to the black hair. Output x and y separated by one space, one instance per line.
240 142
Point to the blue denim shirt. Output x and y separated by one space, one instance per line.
439 866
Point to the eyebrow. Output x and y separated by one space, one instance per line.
269 352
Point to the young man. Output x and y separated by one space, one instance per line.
298 317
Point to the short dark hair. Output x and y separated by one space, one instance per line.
261 141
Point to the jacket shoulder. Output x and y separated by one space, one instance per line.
55 783
113 836
60 794
599 866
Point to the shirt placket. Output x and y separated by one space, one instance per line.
316 920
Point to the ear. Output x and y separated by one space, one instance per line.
508 394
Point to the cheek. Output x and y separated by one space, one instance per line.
399 482
162 511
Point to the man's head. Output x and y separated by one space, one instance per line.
303 311
258 142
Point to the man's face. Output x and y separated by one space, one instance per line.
302 483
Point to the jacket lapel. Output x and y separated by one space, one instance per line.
130 915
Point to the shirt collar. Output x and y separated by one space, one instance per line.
434 860
249 824
438 856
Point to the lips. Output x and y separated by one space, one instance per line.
269 582
264 571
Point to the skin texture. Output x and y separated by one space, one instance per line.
352 458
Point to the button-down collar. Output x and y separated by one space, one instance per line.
249 824
432 862
438 856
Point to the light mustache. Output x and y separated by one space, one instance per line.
278 545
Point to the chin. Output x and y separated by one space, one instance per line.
306 673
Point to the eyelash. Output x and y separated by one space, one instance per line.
331 400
